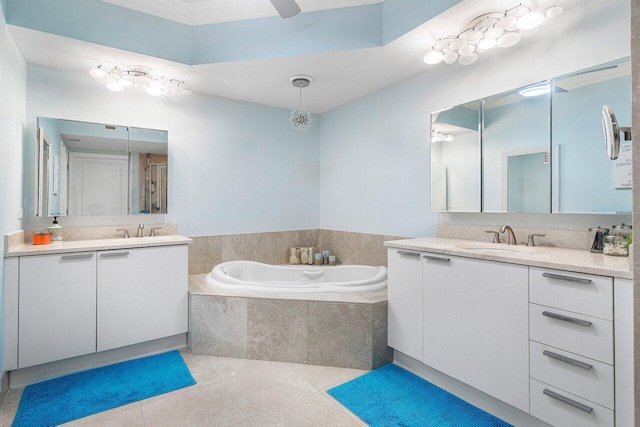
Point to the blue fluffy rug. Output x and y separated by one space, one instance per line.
391 396
74 396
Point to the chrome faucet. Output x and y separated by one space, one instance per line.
140 232
510 235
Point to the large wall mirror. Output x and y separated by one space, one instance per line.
92 169
585 179
542 148
455 159
515 151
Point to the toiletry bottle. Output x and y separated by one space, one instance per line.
55 230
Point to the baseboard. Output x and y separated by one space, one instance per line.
467 393
34 374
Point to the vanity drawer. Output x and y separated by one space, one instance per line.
575 374
577 333
569 411
576 292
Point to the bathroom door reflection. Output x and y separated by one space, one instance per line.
524 173
155 188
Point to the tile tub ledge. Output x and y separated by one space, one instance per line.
579 261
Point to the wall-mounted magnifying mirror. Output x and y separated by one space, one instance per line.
612 131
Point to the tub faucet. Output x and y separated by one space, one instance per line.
140 232
510 235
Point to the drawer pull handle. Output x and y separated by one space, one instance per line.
566 278
566 400
568 360
408 253
114 254
435 258
567 318
79 256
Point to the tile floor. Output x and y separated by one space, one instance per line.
231 392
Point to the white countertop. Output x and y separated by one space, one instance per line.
579 261
96 245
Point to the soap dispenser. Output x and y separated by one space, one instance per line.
56 230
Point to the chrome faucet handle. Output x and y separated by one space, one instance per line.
153 231
530 241
126 232
496 236
140 232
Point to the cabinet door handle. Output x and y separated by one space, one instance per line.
570 402
568 360
567 318
566 278
114 254
77 256
435 258
408 253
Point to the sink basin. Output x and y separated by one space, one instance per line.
496 248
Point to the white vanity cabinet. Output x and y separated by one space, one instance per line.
57 307
556 344
62 305
142 295
405 301
475 324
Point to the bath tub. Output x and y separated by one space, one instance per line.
255 276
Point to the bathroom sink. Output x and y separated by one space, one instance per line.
497 248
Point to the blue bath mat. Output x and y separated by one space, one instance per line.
391 396
78 395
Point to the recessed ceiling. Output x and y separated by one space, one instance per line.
201 12
338 77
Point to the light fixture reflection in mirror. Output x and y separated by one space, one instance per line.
612 131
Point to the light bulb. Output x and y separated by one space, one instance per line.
154 91
434 57
488 22
472 36
466 50
457 43
441 43
468 59
529 33
548 20
169 92
506 22
156 85
486 44
125 83
447 49
554 11
115 87
450 58
509 39
98 74
141 87
448 138
530 21
493 33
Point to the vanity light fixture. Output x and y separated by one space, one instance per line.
438 136
300 119
140 78
488 31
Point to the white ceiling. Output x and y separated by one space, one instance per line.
338 77
200 12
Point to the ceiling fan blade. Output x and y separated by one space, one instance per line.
286 8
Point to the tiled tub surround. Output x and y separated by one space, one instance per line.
273 248
348 331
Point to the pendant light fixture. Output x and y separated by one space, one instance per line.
300 119
488 31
